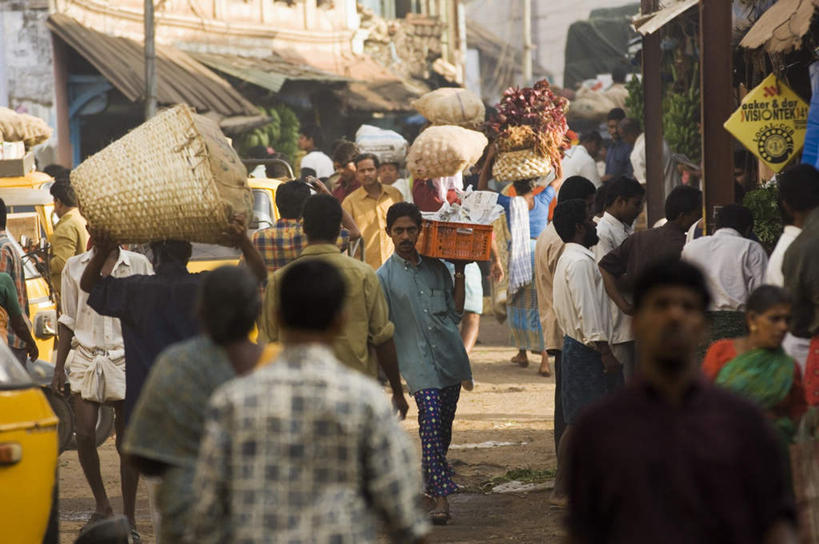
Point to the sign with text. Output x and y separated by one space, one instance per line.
771 122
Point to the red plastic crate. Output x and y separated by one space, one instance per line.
461 241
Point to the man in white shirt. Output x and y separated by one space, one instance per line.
548 249
581 160
589 369
671 177
733 266
91 352
624 201
320 164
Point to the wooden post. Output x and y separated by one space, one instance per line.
716 89
653 120
526 69
150 61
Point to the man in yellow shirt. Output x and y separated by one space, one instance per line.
368 207
367 327
70 235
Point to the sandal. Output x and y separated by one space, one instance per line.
135 538
439 517
522 362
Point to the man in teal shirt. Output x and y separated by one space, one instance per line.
426 310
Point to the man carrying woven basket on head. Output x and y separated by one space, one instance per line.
155 311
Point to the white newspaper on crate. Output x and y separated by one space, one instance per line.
476 207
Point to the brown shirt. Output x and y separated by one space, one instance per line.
642 249
548 249
710 470
801 270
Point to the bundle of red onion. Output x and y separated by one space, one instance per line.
538 108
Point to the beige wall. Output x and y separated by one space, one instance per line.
254 26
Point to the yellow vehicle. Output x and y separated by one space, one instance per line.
30 207
28 455
265 213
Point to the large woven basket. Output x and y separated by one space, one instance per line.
518 165
175 177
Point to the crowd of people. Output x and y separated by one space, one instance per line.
290 438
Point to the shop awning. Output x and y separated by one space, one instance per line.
379 96
270 72
181 79
654 21
782 27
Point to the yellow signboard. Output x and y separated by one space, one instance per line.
771 122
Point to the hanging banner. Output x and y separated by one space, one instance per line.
771 122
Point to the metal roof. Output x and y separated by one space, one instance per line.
270 72
781 28
181 79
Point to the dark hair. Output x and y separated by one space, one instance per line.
58 172
681 200
228 304
278 168
600 199
312 132
178 251
568 214
62 191
630 126
670 273
618 74
524 186
592 136
735 217
322 218
622 187
765 297
403 209
311 295
290 199
575 187
616 114
367 156
799 187
3 214
345 153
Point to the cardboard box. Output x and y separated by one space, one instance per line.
15 168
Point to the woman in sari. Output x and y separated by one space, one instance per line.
756 367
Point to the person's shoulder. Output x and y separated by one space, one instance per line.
394 192
137 260
605 417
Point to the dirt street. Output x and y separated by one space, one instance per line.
509 405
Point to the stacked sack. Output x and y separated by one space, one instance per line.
530 128
387 145
449 146
21 127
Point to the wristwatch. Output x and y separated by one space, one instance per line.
459 275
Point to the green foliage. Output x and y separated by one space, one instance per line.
681 118
635 100
523 475
282 133
767 218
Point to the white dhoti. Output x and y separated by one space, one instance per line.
96 375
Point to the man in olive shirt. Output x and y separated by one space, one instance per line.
367 314
70 235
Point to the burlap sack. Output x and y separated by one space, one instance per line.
21 127
444 151
173 177
451 106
